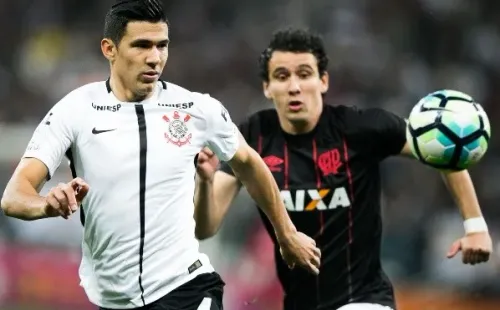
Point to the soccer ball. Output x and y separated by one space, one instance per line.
448 130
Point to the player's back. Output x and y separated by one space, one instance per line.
330 184
138 241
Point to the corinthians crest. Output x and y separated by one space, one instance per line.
178 132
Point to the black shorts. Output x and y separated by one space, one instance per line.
202 293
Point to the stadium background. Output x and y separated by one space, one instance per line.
385 53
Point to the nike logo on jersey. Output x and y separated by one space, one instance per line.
96 131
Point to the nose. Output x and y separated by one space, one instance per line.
154 57
294 86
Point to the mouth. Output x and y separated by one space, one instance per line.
150 76
295 105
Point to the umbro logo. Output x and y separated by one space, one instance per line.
96 131
273 162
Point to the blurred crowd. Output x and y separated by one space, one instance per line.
384 53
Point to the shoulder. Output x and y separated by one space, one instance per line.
180 97
260 124
352 119
179 92
264 119
78 98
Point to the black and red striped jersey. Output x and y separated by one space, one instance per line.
330 184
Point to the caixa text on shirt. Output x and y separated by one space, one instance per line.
183 105
301 200
109 108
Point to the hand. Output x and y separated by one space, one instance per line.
206 164
476 248
300 249
64 199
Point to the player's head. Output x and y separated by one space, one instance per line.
136 44
293 69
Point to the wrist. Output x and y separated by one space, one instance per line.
206 179
475 225
286 233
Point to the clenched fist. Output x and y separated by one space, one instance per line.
300 249
476 248
206 164
64 199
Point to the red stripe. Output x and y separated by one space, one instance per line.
318 182
351 190
285 154
321 222
259 145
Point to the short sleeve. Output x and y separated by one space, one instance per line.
223 136
380 132
244 130
53 137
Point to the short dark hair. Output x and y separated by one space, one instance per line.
296 41
125 11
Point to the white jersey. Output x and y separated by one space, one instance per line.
138 159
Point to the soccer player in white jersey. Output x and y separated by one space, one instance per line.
132 140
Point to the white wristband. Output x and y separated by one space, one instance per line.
475 225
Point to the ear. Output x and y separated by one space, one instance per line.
265 88
325 82
109 49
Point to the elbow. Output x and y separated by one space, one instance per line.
6 205
204 233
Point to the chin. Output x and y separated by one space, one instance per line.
146 88
301 116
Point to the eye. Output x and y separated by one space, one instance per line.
304 74
281 76
141 45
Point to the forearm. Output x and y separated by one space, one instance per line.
23 204
462 190
260 184
206 214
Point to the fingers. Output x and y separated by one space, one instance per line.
81 188
475 256
202 157
63 200
316 259
313 269
317 252
205 155
207 152
54 206
454 249
60 198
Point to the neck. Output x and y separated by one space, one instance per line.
300 126
124 94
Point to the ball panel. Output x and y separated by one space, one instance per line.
443 139
447 93
429 144
460 106
422 119
462 125
428 102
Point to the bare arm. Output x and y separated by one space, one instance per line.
253 173
460 187
462 190
212 200
20 198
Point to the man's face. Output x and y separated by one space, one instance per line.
295 86
141 56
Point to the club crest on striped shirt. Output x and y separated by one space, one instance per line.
177 132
